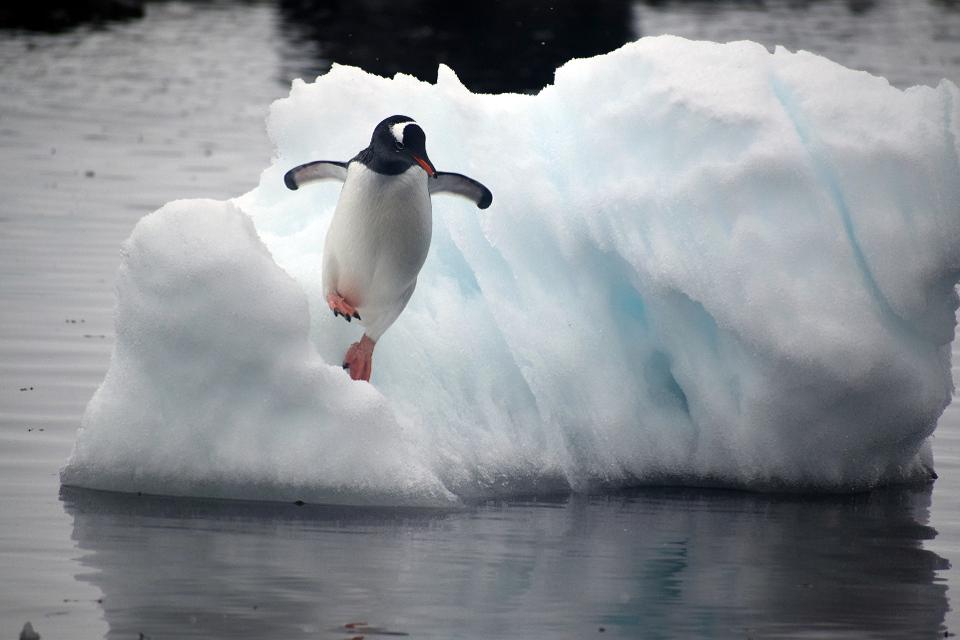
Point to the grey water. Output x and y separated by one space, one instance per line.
104 122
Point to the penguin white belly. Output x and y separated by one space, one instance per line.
377 242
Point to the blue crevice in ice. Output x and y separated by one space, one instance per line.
453 262
660 378
827 175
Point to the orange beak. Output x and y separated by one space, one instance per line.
426 166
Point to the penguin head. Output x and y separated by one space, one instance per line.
398 139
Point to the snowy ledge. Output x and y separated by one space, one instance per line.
704 263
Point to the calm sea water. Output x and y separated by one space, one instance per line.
102 124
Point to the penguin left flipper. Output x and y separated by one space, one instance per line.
316 170
462 186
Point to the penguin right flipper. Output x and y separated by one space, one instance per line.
316 170
462 186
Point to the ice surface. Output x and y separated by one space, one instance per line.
704 263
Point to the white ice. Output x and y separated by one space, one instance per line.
704 263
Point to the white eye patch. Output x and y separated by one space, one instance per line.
397 129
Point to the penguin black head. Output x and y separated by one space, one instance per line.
397 144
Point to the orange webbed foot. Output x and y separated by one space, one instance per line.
359 359
341 307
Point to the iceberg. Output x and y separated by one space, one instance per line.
705 264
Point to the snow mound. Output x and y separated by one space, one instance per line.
704 263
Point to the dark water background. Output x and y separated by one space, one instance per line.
101 123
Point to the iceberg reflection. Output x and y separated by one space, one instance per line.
669 562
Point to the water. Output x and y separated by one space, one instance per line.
100 125
671 562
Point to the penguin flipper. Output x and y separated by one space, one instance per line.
316 170
462 186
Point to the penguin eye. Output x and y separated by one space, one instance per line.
398 145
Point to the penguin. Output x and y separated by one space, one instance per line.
380 233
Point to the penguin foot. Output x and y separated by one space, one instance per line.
359 359
341 307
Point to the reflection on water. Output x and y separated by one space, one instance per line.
495 46
667 563
916 42
504 46
58 15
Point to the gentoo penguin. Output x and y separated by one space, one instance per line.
380 232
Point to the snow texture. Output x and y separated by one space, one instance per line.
704 263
